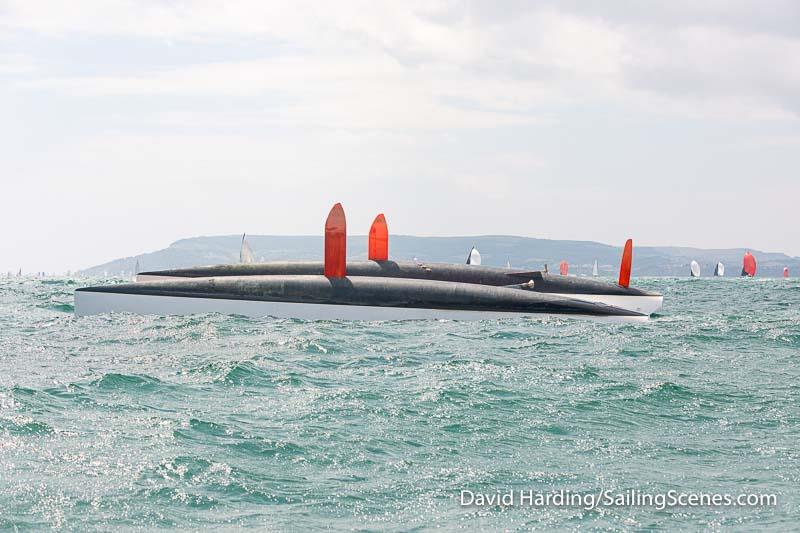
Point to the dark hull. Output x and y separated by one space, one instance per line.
480 275
373 292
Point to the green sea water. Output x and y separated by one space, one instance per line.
224 422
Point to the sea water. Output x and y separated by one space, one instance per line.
211 421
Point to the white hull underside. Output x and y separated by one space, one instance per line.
647 305
94 303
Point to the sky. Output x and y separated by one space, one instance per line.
128 124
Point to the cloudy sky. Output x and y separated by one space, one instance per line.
126 125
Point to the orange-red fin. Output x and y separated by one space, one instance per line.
379 239
336 243
626 264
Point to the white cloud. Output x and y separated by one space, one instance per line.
477 103
708 64
413 53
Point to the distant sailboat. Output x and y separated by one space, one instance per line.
136 269
695 269
508 264
563 268
594 269
19 274
785 272
749 265
245 254
474 257
719 270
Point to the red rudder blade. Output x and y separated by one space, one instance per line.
626 264
336 243
563 268
379 239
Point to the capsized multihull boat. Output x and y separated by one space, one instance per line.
586 289
620 295
319 297
405 278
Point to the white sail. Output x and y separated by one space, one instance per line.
719 270
245 254
508 264
695 269
594 268
474 257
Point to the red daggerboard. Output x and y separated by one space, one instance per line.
336 243
379 239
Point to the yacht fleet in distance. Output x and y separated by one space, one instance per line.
246 256
749 267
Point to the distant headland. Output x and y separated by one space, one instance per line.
496 250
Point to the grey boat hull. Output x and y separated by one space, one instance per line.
318 297
629 298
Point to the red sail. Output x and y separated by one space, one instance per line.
625 265
749 267
336 243
785 272
379 239
564 268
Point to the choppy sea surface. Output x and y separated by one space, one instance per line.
211 421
